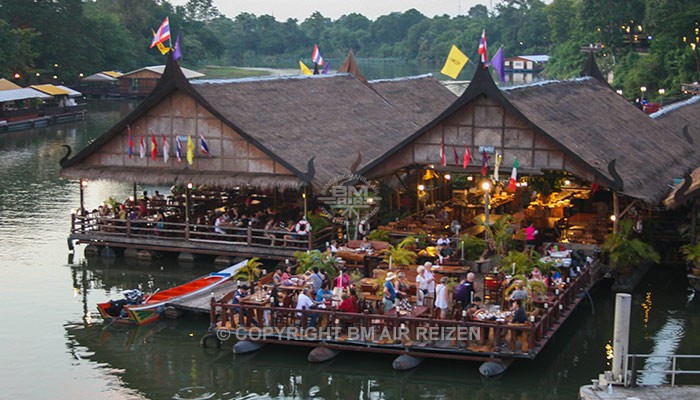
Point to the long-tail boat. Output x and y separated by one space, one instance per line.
148 310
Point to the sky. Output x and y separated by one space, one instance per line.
301 9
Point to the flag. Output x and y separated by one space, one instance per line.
177 52
456 60
205 148
163 50
467 156
442 153
166 149
326 68
482 49
190 150
154 147
142 151
454 150
304 69
513 176
499 64
162 34
484 163
316 57
497 165
131 142
178 148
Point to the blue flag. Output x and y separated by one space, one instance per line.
176 50
326 68
499 64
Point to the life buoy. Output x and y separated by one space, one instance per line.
363 227
204 342
303 227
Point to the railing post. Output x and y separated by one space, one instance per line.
72 223
621 335
673 372
249 233
128 227
187 230
212 312
633 375
311 240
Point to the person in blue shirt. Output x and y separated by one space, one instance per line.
389 292
324 295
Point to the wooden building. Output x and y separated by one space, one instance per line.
142 81
270 133
534 63
7 85
101 84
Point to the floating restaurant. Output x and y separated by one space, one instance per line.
554 166
37 106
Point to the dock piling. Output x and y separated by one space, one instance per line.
405 362
322 354
623 305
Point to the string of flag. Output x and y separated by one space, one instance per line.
165 146
456 60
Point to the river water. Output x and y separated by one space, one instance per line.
53 343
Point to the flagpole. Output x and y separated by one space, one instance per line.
170 37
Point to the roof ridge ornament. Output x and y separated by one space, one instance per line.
687 136
618 184
356 163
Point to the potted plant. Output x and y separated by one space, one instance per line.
501 233
400 254
626 252
473 246
250 271
308 260
379 235
692 257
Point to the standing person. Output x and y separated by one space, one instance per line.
389 292
530 233
441 302
470 293
421 286
430 296
402 286
343 280
316 280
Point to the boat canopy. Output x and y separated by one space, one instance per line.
22 94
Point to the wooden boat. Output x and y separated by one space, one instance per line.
151 308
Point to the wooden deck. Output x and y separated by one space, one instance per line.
288 326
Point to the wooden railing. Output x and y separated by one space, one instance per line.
91 223
533 334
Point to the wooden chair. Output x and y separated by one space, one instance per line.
493 289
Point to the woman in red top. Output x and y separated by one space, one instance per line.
347 304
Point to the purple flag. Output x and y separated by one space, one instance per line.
326 68
176 50
498 63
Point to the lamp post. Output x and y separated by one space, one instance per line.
83 185
662 91
644 90
487 187
187 210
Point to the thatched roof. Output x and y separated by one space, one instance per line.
588 121
689 189
330 119
683 118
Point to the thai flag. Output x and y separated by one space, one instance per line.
482 48
131 142
205 148
178 153
166 149
454 150
442 153
467 156
162 34
317 56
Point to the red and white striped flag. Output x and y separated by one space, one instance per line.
454 150
482 48
162 34
166 149
316 57
178 149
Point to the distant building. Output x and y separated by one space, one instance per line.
101 84
526 63
142 81
7 85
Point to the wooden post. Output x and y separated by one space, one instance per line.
311 240
82 198
135 196
693 223
212 312
249 233
187 211
72 223
616 212
128 227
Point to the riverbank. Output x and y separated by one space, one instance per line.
590 392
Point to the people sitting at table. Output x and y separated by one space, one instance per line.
145 195
158 196
277 277
287 273
159 222
441 299
240 293
289 236
553 278
343 280
518 316
333 246
304 302
389 292
219 223
536 274
470 310
142 212
346 305
324 296
519 293
365 245
443 240
269 226
445 252
489 250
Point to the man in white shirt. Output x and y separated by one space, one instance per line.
305 302
221 220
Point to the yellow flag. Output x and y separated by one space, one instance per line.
456 60
163 50
190 150
304 69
